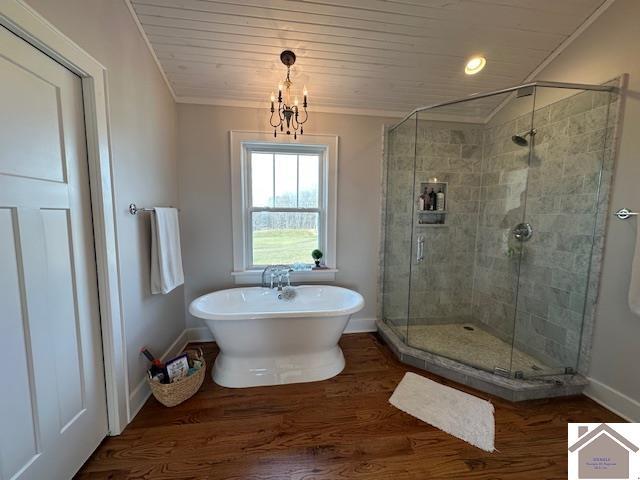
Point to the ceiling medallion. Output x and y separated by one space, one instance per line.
289 115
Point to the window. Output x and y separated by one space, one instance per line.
283 204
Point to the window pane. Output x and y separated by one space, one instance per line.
286 181
280 237
262 179
309 175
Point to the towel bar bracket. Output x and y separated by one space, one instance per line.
625 213
134 209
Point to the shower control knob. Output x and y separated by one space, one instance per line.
522 232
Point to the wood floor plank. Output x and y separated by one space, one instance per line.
341 428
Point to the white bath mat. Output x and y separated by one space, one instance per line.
457 413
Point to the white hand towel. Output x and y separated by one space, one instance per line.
166 259
634 285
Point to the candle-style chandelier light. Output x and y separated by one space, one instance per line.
289 117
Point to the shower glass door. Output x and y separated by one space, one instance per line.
400 171
563 205
469 193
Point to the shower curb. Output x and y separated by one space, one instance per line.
514 390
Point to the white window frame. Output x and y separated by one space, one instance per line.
242 145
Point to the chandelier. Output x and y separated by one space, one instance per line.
289 116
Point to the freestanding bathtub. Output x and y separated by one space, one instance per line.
267 341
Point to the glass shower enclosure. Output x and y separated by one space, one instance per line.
494 219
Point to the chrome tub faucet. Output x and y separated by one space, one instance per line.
279 273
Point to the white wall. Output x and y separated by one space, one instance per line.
608 48
144 161
205 196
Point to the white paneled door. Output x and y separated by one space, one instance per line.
52 392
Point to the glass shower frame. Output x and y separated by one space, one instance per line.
402 234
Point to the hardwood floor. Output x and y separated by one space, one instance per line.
342 428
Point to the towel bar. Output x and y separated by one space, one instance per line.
134 209
625 213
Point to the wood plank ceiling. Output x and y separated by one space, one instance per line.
378 56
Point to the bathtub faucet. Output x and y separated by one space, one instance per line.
279 273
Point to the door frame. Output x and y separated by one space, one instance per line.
26 23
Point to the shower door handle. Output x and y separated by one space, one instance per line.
420 249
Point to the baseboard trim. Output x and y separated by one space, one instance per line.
613 400
361 325
199 334
139 395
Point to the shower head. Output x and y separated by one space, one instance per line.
521 140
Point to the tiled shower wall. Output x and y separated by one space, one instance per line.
473 267
560 185
441 285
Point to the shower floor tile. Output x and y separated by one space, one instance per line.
475 347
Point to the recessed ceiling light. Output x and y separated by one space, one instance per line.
474 65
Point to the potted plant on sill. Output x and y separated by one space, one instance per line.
317 255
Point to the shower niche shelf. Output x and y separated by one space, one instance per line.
426 218
432 218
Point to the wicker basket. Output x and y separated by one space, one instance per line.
172 394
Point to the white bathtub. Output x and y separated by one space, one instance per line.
267 341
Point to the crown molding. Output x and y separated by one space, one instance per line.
226 102
390 114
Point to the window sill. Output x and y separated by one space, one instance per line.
253 277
